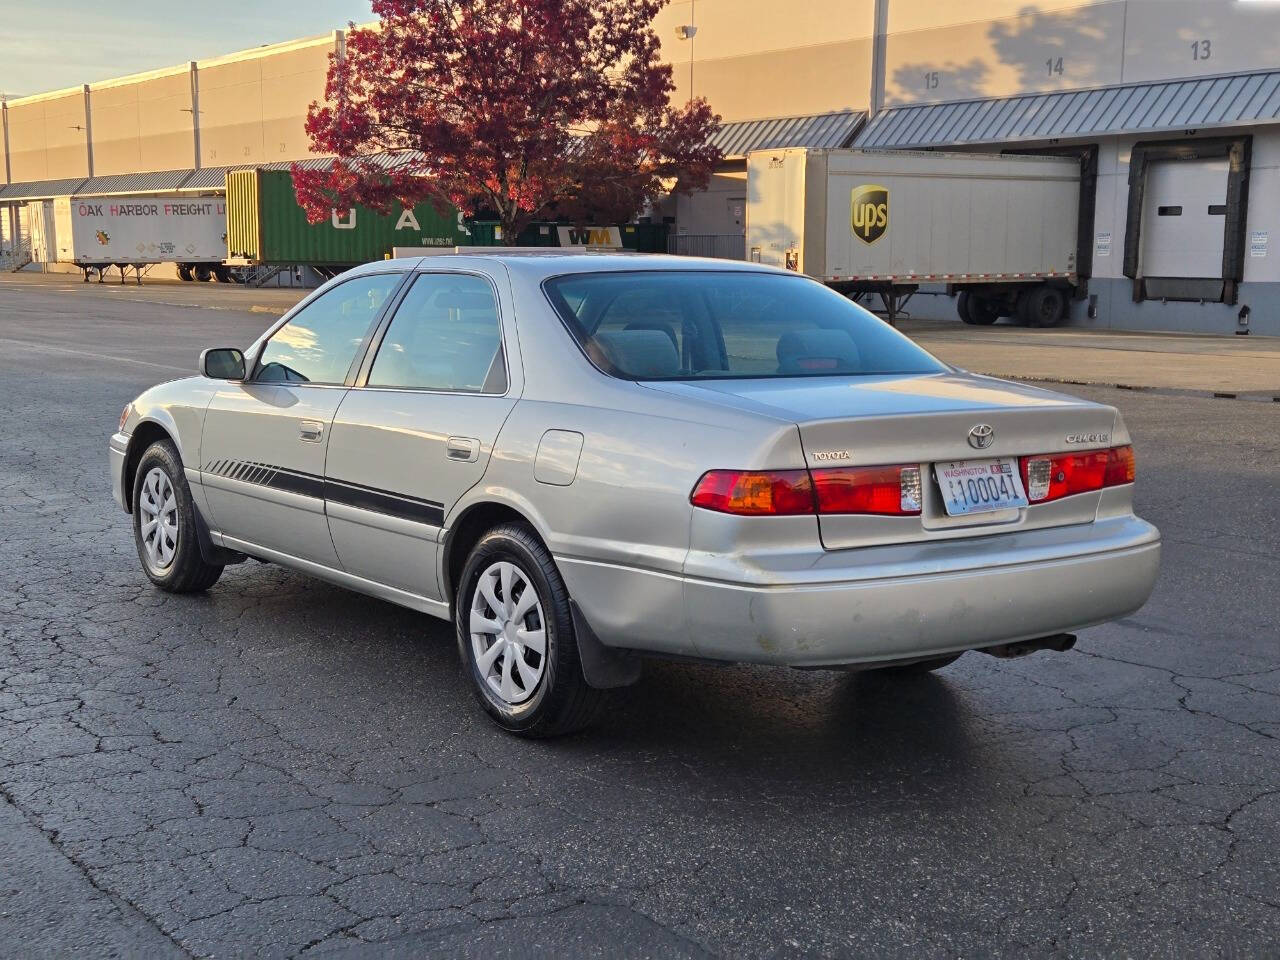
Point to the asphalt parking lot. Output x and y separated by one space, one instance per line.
281 767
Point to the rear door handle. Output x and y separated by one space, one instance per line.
463 449
310 431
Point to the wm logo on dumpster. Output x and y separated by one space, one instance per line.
870 212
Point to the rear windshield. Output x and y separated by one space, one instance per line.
696 325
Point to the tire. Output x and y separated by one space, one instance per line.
548 696
1046 306
920 666
203 273
176 565
221 274
184 272
1022 312
975 310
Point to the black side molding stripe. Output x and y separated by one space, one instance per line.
338 491
380 501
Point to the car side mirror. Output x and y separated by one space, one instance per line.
222 363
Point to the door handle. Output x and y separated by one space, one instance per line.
310 431
462 449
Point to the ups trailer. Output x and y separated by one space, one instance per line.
136 233
999 231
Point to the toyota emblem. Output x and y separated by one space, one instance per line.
982 436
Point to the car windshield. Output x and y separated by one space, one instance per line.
704 324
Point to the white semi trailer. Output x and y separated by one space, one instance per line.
137 232
1001 231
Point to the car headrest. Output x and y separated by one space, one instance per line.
655 325
813 351
640 353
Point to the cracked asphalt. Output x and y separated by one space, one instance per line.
283 768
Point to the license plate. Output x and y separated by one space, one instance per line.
980 486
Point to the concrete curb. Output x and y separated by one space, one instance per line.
1255 396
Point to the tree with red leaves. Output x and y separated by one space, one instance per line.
519 109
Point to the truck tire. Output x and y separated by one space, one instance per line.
1046 306
976 310
203 273
1022 308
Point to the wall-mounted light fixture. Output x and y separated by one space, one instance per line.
687 32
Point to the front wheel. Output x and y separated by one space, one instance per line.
516 638
164 524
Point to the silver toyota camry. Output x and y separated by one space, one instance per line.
587 460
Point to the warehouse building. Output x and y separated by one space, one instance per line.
1173 107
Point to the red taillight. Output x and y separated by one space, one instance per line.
889 491
1053 476
755 494
1122 467
886 491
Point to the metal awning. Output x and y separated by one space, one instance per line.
215 178
207 178
823 130
163 181
39 189
1137 108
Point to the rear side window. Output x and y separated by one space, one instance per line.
445 335
320 342
704 324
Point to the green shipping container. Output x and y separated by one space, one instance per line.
266 225
637 237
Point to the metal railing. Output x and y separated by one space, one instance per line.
725 246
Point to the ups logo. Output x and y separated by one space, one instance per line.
870 212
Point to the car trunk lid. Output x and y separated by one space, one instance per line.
923 420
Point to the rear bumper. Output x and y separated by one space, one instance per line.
961 596
117 449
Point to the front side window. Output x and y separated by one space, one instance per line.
320 342
704 324
445 336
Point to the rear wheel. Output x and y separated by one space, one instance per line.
1022 309
1046 306
976 310
164 524
516 638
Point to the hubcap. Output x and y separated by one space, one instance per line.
158 519
508 633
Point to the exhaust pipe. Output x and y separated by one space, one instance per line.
1059 643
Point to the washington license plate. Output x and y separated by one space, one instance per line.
980 486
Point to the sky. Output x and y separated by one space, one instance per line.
63 43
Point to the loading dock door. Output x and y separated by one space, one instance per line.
1183 219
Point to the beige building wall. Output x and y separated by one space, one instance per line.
1188 38
995 48
48 136
761 58
253 106
143 123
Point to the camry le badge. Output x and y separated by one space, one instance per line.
982 436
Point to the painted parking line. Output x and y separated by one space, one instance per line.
47 348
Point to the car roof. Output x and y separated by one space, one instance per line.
551 262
